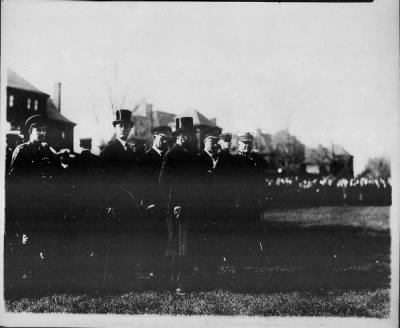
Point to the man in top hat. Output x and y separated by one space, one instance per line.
34 170
178 183
249 177
118 162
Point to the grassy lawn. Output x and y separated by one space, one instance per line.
328 261
334 303
365 218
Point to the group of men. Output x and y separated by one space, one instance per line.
102 214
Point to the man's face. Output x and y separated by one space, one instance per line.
122 130
225 145
38 134
211 145
185 140
244 147
161 142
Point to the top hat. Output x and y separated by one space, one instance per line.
225 136
36 121
245 137
183 124
162 131
123 116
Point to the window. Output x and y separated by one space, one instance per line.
11 101
28 103
63 134
36 105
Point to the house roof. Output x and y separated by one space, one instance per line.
198 118
17 82
338 150
54 115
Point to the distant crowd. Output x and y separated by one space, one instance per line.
327 191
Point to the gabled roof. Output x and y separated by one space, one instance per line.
17 82
338 150
198 118
54 115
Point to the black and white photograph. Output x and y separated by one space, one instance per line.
200 163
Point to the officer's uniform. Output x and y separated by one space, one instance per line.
33 172
249 187
225 183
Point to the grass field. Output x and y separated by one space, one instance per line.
218 302
329 261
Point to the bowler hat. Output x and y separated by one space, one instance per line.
123 116
183 124
161 130
36 121
245 137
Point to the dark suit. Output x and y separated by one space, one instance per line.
179 186
154 227
249 188
151 171
119 169
86 220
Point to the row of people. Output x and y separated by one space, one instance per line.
109 209
327 191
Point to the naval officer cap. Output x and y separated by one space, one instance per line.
245 137
164 131
211 133
35 121
225 136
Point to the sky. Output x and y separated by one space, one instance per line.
327 72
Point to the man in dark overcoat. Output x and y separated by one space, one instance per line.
33 173
155 207
86 207
118 162
249 183
178 185
210 226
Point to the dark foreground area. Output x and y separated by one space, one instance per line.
318 261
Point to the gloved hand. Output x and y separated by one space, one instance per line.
177 211
111 212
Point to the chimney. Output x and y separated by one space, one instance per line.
57 95
213 120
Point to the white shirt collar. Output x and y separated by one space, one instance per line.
215 160
157 150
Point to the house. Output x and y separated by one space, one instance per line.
145 118
334 161
25 100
